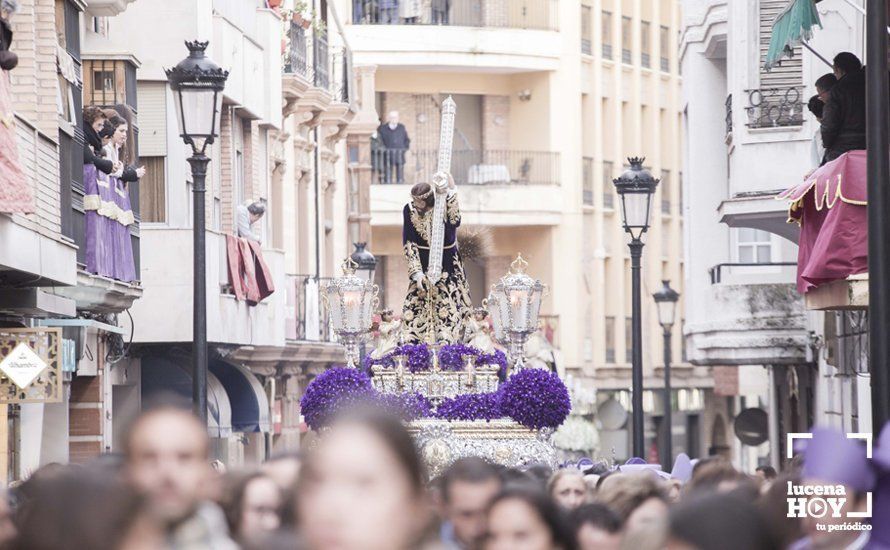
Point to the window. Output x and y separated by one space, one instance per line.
586 39
754 246
665 39
610 339
153 190
607 34
665 185
608 186
628 339
587 177
645 57
626 39
683 340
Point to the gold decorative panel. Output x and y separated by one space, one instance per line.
45 387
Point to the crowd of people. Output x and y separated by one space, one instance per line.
363 485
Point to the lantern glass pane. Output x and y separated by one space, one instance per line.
352 303
496 323
198 113
636 209
666 313
367 308
335 307
537 293
519 309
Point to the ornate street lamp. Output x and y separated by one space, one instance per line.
666 301
197 83
351 301
515 305
635 188
365 262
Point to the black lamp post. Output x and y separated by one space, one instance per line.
635 188
365 261
666 301
197 82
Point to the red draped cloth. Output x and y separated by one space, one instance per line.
830 207
249 276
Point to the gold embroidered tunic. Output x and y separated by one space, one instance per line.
444 311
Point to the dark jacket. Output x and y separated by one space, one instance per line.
8 60
92 151
843 120
397 140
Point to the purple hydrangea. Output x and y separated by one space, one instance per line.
407 406
332 391
418 355
419 358
535 398
470 406
498 358
451 356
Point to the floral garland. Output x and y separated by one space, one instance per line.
532 397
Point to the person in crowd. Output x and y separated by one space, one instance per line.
773 502
567 488
596 527
843 120
119 209
766 475
720 521
639 498
80 508
522 517
817 152
396 143
362 487
283 468
98 201
824 84
166 460
248 214
467 487
251 502
717 474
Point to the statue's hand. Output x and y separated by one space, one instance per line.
442 181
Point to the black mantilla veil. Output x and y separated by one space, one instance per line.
439 315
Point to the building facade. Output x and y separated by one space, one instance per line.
748 137
551 99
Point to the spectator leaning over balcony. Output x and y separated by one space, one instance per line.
843 120
388 12
248 214
395 142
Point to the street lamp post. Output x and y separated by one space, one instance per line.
197 83
635 188
666 301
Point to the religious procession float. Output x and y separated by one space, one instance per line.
454 373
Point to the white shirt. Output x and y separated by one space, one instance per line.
244 229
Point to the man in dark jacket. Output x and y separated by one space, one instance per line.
843 120
395 141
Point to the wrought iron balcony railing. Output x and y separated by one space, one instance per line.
729 115
774 107
716 272
468 167
308 54
514 14
310 317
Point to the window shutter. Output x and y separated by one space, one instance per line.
790 72
152 101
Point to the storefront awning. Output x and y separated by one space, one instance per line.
161 376
250 405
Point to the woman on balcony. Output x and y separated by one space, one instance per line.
434 312
98 203
122 245
15 189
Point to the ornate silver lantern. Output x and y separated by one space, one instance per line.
515 302
350 300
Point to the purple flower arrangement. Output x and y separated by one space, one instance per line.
334 390
535 398
532 397
470 406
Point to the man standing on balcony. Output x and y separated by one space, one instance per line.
396 142
843 119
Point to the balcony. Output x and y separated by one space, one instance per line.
511 14
458 34
497 188
756 318
774 107
167 279
314 71
468 167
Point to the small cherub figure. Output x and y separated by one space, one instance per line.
479 331
388 334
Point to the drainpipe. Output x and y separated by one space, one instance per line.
317 209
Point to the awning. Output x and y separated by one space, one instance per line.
160 375
792 28
250 405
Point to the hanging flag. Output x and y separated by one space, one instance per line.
793 26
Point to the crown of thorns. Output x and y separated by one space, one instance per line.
423 195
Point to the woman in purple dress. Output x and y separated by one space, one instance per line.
97 201
124 266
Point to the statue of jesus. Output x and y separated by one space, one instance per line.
434 311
